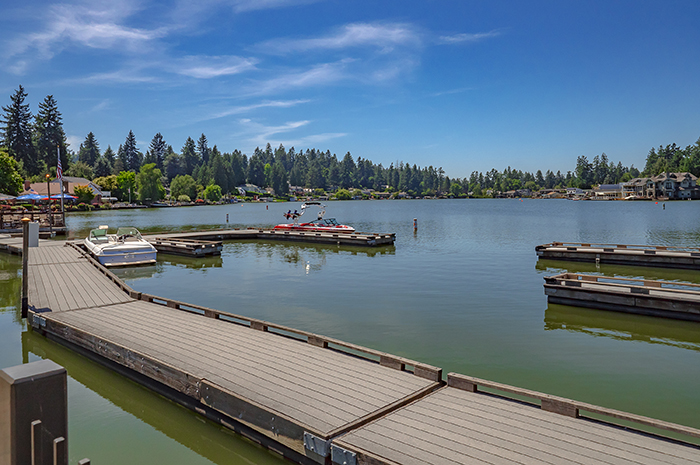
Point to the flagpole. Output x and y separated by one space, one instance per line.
59 173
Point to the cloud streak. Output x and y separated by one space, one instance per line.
467 37
384 37
207 67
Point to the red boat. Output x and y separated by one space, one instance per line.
320 224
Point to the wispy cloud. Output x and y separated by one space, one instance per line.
451 91
237 110
206 67
319 75
121 76
95 25
260 134
241 6
467 37
381 36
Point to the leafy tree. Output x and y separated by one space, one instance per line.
184 198
89 152
183 185
80 169
107 183
343 194
126 180
84 194
50 137
17 131
157 149
10 179
148 183
212 193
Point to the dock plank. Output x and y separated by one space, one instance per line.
463 422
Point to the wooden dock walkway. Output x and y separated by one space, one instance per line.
360 239
641 296
621 254
314 399
188 247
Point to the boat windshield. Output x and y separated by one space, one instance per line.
128 232
98 235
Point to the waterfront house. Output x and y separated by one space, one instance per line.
69 185
608 192
665 185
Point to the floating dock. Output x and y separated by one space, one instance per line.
188 247
315 399
621 254
641 296
361 239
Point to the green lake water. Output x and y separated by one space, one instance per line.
464 292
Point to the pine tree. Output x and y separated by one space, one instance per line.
203 149
132 157
157 149
189 157
49 134
89 152
17 131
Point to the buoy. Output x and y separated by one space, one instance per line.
415 224
227 217
267 207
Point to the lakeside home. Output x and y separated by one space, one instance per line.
69 185
669 185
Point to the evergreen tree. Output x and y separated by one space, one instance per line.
189 157
173 166
89 152
132 158
203 149
50 137
17 131
158 149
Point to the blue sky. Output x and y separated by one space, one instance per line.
466 85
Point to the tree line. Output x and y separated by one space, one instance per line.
198 166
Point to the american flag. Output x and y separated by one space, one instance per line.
59 170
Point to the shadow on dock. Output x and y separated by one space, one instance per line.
623 326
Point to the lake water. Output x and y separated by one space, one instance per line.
464 292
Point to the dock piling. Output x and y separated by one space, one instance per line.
25 266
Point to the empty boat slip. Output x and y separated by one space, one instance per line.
299 391
620 254
642 296
458 425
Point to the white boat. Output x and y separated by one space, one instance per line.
124 248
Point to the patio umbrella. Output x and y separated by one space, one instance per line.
65 196
7 197
31 197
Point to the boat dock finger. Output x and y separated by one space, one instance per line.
641 296
622 254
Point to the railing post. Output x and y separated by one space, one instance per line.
25 263
33 413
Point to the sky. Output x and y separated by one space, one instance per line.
465 85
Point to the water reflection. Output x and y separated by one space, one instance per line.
11 286
623 326
311 257
210 441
